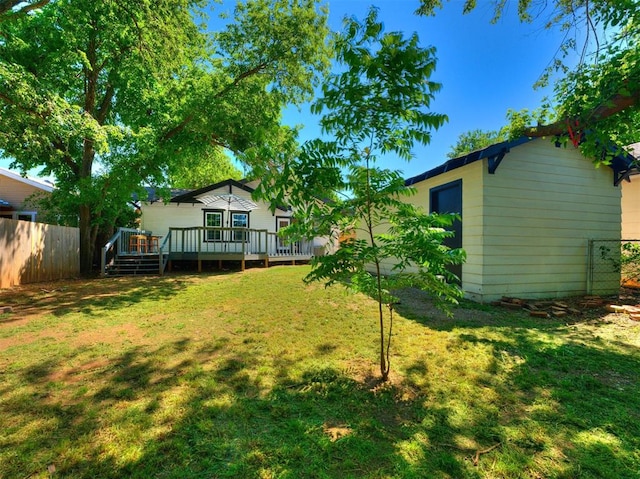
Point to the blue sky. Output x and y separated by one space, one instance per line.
485 69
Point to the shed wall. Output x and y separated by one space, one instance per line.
541 207
472 218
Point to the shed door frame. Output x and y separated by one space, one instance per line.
452 202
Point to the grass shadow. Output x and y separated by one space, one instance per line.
495 394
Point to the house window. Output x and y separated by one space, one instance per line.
213 219
240 220
19 215
25 215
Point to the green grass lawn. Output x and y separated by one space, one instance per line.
256 375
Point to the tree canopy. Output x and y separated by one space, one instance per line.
475 140
598 101
214 167
108 95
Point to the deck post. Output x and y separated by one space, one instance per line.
199 239
266 262
242 264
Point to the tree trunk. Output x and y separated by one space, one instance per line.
86 217
86 245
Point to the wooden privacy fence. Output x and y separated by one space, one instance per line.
32 252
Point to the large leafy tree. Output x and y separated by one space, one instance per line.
377 104
476 140
597 101
107 95
213 167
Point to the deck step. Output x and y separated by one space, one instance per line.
133 266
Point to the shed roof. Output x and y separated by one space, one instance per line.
623 164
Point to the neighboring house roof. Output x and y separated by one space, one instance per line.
623 165
44 186
154 196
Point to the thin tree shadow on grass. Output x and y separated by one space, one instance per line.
208 415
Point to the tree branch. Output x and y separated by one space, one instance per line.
178 128
253 71
615 105
189 118
105 105
59 145
7 5
34 113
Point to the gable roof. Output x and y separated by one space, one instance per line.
191 196
623 164
44 186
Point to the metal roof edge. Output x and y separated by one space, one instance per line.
472 157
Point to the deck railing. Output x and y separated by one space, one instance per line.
244 241
119 244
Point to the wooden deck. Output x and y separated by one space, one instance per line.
200 244
220 257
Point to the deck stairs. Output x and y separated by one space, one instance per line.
133 265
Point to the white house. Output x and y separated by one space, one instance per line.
222 222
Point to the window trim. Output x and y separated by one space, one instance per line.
206 214
239 236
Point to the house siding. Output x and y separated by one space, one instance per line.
631 209
541 207
158 217
16 192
